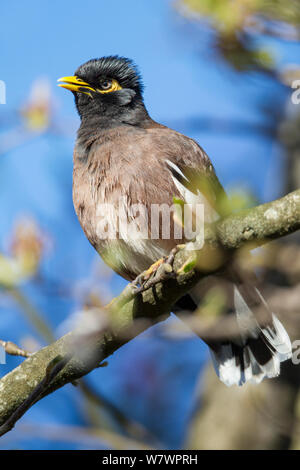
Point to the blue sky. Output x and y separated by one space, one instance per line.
181 76
183 83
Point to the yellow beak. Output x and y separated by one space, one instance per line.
75 84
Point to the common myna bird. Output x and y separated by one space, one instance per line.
124 160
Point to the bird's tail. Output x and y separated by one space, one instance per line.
260 346
259 351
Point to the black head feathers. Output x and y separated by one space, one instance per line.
108 92
112 67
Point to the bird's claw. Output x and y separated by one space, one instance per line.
142 278
158 271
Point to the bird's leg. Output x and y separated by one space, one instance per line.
157 272
174 251
142 278
153 268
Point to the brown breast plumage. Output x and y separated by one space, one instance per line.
120 169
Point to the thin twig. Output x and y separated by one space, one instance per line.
14 350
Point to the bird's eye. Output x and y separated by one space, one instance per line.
107 86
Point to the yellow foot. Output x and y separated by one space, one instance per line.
153 268
156 272
142 278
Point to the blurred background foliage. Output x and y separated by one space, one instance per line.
238 22
217 70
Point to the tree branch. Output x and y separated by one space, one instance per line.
257 225
262 223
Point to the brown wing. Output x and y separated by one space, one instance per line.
134 164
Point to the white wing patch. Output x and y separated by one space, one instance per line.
176 169
188 196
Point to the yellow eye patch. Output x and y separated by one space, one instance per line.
114 86
76 84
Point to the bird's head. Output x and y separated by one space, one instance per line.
109 86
